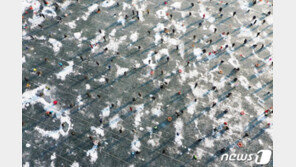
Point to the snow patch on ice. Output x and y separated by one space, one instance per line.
66 71
55 44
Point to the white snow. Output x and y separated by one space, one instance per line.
108 3
139 114
71 24
99 131
27 164
93 154
87 86
113 122
197 52
55 44
176 5
77 35
120 70
134 36
136 144
105 112
75 164
66 71
179 129
114 43
90 10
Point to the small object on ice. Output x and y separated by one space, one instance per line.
99 10
225 111
179 92
263 21
151 72
240 144
88 95
165 2
55 102
170 119
242 113
223 150
60 64
131 109
220 72
180 70
155 127
194 156
225 123
195 85
246 135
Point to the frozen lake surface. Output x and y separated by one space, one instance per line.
146 82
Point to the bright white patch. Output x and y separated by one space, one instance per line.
245 32
75 164
98 130
55 44
191 108
114 43
71 24
35 21
113 123
136 144
26 164
106 112
197 52
108 3
244 82
153 142
179 131
53 156
90 10
176 5
77 35
162 13
126 6
134 36
28 3
120 70
93 154
66 71
209 143
28 145
139 114
87 86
